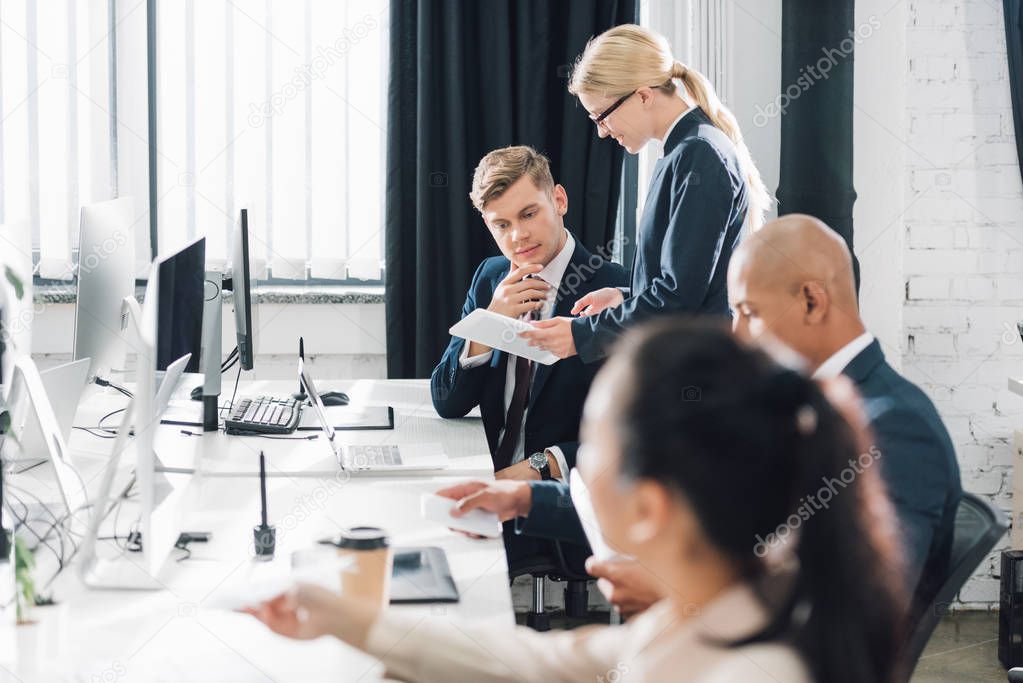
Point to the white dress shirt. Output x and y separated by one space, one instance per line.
552 274
834 366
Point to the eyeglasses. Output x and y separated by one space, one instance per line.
599 120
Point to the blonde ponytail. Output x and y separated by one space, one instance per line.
722 117
629 57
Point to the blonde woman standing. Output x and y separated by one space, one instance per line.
702 193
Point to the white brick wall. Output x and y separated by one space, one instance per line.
963 255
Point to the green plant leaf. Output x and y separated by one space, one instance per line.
19 287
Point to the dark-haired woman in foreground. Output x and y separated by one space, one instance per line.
697 464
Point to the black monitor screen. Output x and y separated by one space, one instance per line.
242 288
179 317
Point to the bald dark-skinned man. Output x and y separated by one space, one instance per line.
793 279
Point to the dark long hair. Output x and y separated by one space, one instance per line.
749 444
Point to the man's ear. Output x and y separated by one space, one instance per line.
560 198
816 300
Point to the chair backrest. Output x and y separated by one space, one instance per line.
978 527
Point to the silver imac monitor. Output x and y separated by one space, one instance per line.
105 275
163 498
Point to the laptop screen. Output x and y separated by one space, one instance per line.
321 414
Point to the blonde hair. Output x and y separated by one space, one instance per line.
499 169
628 57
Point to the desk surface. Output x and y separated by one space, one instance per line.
174 635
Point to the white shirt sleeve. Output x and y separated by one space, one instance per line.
467 363
562 463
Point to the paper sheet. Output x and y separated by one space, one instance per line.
500 332
584 509
438 509
264 581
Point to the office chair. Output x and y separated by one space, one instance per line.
978 527
553 566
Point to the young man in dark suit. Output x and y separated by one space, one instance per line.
793 281
531 412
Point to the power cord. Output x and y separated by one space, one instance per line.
103 419
243 432
186 538
107 383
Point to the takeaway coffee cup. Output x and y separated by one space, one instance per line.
368 573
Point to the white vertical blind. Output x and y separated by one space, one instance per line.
277 106
54 121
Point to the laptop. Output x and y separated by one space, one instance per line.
372 458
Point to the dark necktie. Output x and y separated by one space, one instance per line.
516 409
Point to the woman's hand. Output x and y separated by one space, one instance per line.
554 335
626 584
310 611
597 300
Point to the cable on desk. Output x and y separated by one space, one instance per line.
261 435
24 522
237 377
107 416
107 383
95 431
29 468
231 359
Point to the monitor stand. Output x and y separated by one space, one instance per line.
210 358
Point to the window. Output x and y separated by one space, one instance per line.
274 105
277 106
56 131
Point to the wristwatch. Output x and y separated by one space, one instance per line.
540 463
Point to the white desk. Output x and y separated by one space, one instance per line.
170 634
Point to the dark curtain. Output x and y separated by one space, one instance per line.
1014 43
816 164
466 78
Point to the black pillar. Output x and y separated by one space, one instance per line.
816 107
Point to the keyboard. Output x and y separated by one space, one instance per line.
361 457
264 415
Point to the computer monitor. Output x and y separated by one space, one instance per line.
32 411
182 280
164 498
241 286
106 275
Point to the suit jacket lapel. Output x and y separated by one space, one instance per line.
860 367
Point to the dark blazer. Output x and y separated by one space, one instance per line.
918 464
692 221
552 514
558 391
